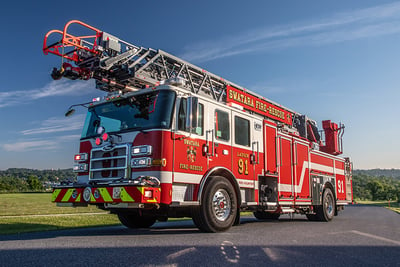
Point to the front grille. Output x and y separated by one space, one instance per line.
109 163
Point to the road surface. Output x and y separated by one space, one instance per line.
359 236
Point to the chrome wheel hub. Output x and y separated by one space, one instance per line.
221 204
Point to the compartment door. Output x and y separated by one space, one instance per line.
301 170
285 181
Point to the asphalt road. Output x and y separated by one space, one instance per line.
359 236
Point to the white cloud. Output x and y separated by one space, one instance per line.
39 144
51 125
30 145
346 26
53 88
57 124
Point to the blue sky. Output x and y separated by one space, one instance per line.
337 60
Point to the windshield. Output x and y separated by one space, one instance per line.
139 112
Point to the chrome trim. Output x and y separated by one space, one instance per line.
119 163
147 160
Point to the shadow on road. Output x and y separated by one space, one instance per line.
183 227
226 254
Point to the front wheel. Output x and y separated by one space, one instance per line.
218 210
135 220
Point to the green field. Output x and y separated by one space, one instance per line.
31 212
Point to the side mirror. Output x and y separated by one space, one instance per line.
69 112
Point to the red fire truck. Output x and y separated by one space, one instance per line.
170 139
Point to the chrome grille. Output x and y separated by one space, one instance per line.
109 163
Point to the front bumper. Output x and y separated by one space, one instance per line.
88 194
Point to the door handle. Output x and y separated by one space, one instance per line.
212 154
254 152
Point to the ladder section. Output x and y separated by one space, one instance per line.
117 65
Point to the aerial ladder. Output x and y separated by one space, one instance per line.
119 66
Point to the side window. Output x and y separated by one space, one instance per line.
182 115
200 121
242 131
221 125
182 118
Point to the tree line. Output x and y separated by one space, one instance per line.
16 180
367 184
367 187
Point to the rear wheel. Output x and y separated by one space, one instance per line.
218 210
326 211
134 220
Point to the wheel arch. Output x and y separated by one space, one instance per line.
331 187
224 172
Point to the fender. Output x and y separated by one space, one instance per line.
323 181
331 187
220 171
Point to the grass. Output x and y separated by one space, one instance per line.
35 204
15 225
30 212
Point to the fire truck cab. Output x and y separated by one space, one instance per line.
172 140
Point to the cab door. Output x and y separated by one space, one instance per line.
189 160
219 137
244 158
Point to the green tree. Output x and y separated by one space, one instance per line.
377 189
34 183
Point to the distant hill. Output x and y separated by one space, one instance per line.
392 173
43 175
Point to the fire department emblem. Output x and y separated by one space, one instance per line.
191 153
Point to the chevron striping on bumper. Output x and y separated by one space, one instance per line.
67 195
125 196
55 194
105 195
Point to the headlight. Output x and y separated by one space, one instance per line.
142 150
81 167
140 162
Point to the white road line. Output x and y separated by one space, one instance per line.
271 254
180 253
376 237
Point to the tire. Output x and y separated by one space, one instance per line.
261 215
326 211
218 208
134 220
312 217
